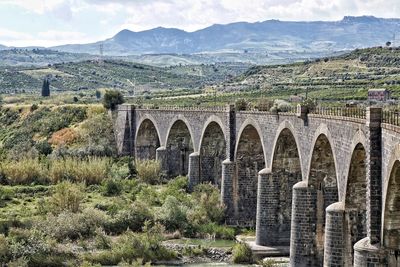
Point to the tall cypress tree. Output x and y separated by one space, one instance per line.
46 87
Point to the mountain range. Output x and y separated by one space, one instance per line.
271 36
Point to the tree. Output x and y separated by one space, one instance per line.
112 99
98 94
46 87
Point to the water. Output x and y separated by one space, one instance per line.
218 264
208 243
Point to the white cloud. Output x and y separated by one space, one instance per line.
37 6
139 15
46 38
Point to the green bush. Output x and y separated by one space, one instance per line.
66 197
68 225
241 104
131 247
112 99
208 207
242 253
264 104
216 231
178 188
29 244
4 250
172 214
281 105
112 187
133 218
149 171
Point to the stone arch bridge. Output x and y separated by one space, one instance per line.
327 183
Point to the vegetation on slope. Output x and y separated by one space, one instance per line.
338 78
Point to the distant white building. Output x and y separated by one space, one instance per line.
378 94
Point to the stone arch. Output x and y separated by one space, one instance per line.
147 140
179 147
255 125
175 119
250 159
322 130
323 187
355 224
212 153
391 214
286 172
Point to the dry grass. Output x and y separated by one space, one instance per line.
89 171
149 171
24 171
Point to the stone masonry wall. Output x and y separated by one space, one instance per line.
245 155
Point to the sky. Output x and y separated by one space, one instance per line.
56 22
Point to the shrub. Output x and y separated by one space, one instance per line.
112 99
178 188
216 231
34 107
4 250
172 214
208 207
149 171
131 247
43 147
309 103
63 137
242 253
102 241
281 105
241 104
264 104
112 187
24 171
66 197
29 244
68 225
133 218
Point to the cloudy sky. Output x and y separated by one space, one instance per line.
54 22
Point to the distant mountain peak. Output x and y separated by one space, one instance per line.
259 37
360 19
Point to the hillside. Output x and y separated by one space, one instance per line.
271 36
344 77
118 74
38 57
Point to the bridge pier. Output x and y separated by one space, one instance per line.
267 233
228 172
194 170
368 255
161 156
302 250
334 247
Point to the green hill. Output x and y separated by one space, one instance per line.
118 74
347 76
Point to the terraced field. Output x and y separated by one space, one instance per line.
118 74
345 77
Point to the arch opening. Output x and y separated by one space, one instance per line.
391 227
323 186
355 227
212 153
179 147
286 171
147 141
249 161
